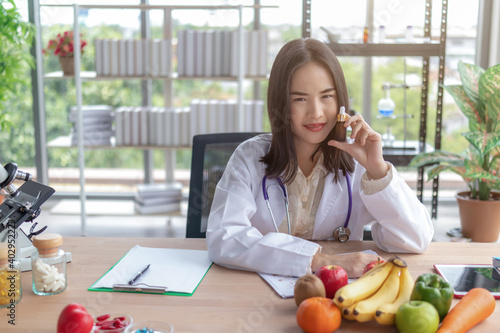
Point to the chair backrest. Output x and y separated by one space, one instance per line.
211 152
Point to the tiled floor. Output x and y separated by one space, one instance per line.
116 219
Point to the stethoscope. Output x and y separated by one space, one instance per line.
340 234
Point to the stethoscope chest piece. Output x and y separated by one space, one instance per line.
341 234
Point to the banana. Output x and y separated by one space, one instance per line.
365 309
398 262
347 312
363 287
386 313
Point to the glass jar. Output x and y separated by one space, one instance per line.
10 277
48 265
381 34
409 34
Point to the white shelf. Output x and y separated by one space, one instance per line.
152 7
386 49
64 141
92 76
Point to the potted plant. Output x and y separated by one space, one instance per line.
16 36
478 97
62 47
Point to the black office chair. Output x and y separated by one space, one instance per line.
211 152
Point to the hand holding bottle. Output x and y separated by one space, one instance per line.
366 148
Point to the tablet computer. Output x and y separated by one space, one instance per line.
465 277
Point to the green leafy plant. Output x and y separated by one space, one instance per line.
16 36
478 97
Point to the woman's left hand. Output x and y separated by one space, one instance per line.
367 147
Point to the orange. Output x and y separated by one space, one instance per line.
318 315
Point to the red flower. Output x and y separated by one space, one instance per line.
63 46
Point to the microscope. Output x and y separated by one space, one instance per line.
21 205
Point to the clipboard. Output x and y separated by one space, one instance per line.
175 272
140 289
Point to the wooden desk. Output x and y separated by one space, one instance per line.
225 301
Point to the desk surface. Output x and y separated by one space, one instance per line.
225 301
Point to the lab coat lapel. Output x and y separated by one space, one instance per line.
331 193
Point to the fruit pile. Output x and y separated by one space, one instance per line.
387 293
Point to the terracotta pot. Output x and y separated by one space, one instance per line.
2 198
67 65
480 219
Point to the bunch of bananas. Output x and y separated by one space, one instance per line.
377 294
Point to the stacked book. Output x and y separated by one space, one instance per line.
158 198
155 126
213 53
152 126
219 116
97 125
133 57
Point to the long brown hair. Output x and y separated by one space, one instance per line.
281 160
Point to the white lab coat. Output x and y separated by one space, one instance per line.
241 234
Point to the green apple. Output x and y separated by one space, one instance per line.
417 317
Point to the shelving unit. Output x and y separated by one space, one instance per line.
387 49
92 76
79 77
424 50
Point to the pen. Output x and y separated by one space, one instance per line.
139 274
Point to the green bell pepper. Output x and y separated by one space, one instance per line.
434 289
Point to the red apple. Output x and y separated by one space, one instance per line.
74 318
373 264
334 277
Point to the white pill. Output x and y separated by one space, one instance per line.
42 271
52 286
49 279
38 285
59 285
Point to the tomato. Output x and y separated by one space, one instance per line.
74 318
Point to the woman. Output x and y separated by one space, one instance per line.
306 89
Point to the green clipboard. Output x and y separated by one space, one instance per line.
141 287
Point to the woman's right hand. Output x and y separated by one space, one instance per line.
352 263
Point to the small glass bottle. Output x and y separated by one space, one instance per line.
10 277
365 35
339 131
48 265
409 34
381 34
386 105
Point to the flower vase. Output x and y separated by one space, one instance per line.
67 65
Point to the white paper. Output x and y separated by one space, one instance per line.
165 57
130 57
208 37
114 60
122 56
179 270
284 285
98 56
